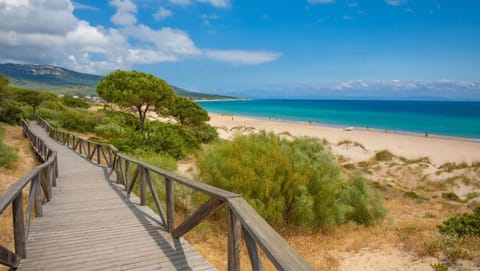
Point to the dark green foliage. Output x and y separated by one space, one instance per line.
364 204
384 155
135 89
462 225
70 101
8 155
187 112
31 97
204 132
12 112
121 129
61 116
289 182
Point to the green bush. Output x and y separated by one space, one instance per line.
384 155
8 155
289 182
204 132
13 112
110 130
70 101
461 225
364 204
174 140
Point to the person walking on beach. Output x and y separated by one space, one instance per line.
426 134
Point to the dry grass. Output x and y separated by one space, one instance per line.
26 161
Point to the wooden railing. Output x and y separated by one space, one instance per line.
102 154
243 220
41 179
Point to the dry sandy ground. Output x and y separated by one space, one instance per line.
26 161
439 149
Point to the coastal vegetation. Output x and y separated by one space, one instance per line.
290 181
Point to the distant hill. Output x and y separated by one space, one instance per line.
61 80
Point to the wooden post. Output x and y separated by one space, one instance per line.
143 188
170 199
252 249
19 226
234 242
98 154
88 150
38 197
127 174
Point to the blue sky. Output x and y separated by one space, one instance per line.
245 47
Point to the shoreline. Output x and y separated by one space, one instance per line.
439 148
361 128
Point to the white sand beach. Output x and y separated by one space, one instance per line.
412 146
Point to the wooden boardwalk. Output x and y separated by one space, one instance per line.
89 224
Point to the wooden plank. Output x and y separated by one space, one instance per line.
234 242
8 258
134 179
198 216
155 196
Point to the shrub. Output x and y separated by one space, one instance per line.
461 225
384 155
110 130
70 101
204 132
288 182
8 155
12 112
364 204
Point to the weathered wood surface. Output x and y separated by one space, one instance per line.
89 224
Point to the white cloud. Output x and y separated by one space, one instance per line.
320 1
215 3
162 13
47 32
125 14
242 57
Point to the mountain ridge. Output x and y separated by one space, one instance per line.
61 80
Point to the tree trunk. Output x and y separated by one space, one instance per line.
142 120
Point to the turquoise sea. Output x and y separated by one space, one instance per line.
459 119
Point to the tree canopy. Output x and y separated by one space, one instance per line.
32 97
187 112
136 89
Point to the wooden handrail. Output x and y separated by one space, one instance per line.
243 220
41 180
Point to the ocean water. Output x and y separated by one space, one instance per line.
459 119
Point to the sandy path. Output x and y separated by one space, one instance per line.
439 149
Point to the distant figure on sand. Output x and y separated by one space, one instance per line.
426 134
